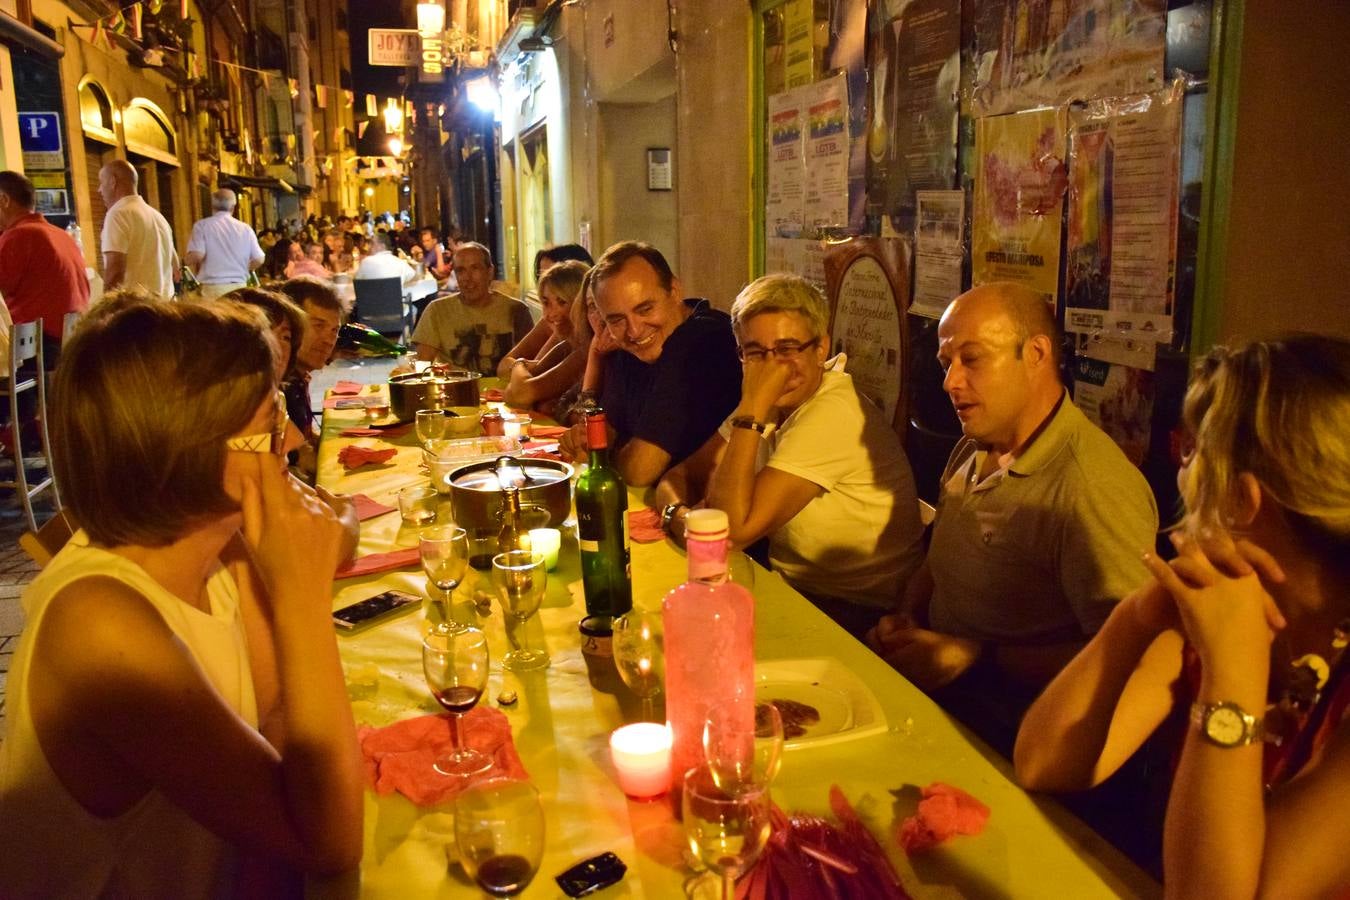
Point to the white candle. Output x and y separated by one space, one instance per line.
641 755
546 542
516 426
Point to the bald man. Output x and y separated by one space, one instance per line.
222 250
137 241
1040 522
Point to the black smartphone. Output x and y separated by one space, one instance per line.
375 609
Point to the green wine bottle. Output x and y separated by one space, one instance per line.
602 529
188 288
367 341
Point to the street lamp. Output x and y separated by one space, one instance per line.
395 146
393 117
430 17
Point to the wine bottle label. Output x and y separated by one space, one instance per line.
588 546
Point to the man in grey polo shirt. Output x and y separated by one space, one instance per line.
1040 523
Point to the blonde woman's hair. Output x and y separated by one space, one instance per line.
780 293
1281 411
581 324
146 396
566 279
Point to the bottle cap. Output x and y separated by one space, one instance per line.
597 436
706 525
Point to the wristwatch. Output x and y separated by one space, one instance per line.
748 422
668 514
1226 724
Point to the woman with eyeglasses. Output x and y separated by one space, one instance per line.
1237 648
177 722
806 461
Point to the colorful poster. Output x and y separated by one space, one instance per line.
1124 156
827 145
1047 52
786 175
1020 179
939 247
1119 399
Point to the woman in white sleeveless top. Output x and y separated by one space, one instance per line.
177 723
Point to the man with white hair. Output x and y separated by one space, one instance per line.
137 241
222 249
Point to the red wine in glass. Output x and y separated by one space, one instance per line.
504 875
458 699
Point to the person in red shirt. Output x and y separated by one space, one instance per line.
42 271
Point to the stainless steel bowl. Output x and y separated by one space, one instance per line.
421 390
476 495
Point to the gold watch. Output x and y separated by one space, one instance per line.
1225 724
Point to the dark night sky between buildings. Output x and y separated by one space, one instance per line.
362 15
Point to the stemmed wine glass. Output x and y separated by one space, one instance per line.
499 831
743 755
726 831
431 426
456 667
444 550
520 577
639 657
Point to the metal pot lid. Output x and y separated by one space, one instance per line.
478 478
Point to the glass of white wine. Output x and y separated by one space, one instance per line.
726 831
639 657
444 550
520 579
431 426
743 755
499 832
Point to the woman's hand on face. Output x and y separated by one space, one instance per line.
292 532
1230 619
762 384
603 343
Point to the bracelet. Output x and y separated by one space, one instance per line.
668 514
748 422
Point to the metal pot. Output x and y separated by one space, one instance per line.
476 493
422 390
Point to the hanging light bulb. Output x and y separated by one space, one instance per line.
393 117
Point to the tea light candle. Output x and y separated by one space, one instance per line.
516 426
641 755
546 542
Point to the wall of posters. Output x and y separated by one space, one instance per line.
1020 179
939 248
1119 399
1124 156
827 144
786 167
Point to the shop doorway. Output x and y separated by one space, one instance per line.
536 208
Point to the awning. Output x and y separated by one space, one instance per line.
266 182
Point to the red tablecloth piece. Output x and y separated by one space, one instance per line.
354 457
547 432
367 508
943 813
644 526
379 562
348 387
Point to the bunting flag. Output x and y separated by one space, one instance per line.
182 9
321 95
98 34
136 22
294 86
371 109
361 129
349 98
117 23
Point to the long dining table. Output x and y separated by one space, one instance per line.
561 722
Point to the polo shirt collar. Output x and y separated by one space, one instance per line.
1046 445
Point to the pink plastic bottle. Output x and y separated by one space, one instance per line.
709 625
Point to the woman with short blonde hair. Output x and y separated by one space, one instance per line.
551 358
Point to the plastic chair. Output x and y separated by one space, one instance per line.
380 305
25 344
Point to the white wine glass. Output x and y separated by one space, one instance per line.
639 657
456 667
499 832
726 832
431 426
743 754
520 579
444 550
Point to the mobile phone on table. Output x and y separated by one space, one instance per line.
373 610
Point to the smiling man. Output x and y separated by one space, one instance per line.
1040 523
476 327
673 375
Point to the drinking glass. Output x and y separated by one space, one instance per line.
520 577
639 657
456 667
417 506
444 550
499 831
727 832
743 755
431 426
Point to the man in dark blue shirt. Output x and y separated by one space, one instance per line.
674 375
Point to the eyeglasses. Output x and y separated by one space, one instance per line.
273 442
784 350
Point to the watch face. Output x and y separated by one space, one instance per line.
1224 726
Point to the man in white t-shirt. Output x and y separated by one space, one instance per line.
382 263
222 249
137 241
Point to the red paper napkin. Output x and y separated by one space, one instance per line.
943 813
541 450
547 432
644 526
494 395
367 431
348 387
367 508
354 457
378 562
399 757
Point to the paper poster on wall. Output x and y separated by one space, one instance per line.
1137 353
793 256
1038 53
786 176
845 51
799 19
938 251
827 145
867 281
1119 399
1124 156
1020 179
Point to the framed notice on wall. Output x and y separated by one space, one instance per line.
659 175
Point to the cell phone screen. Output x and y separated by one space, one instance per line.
372 609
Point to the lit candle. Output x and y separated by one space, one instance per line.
641 755
546 542
516 426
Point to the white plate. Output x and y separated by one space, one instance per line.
848 708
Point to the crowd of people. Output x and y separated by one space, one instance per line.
206 708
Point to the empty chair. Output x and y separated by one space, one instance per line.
380 305
25 344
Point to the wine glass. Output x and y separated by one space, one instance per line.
638 656
520 577
727 832
444 550
499 831
456 666
741 754
431 426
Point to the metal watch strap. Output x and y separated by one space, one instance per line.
1252 730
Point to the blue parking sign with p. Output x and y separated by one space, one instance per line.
40 132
